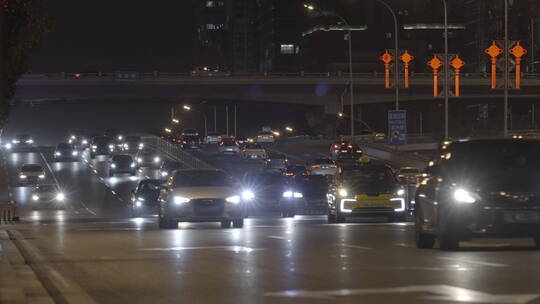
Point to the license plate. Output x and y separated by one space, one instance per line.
373 204
521 217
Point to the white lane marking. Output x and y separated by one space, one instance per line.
404 245
225 248
87 209
355 247
50 169
467 261
277 237
439 293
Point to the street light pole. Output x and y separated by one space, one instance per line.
349 39
396 54
505 68
445 70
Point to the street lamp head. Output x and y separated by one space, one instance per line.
168 130
186 107
309 7
340 114
175 121
276 133
288 129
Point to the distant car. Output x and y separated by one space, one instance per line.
31 174
207 71
144 198
48 196
253 151
294 170
349 154
65 151
485 188
228 146
201 195
132 143
314 189
101 145
190 132
79 140
190 142
117 138
277 161
148 159
266 185
212 138
322 166
265 137
379 136
167 167
409 175
122 163
335 147
20 142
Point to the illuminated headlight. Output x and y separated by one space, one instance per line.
464 196
298 195
120 137
139 160
233 199
30 141
156 159
35 197
181 200
111 146
132 165
126 146
248 195
401 204
113 165
8 146
138 204
164 173
74 153
94 147
141 146
85 142
400 192
60 197
70 141
141 199
22 176
42 176
288 194
15 141
73 137
58 154
343 192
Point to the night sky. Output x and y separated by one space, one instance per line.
111 35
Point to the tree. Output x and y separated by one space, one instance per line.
23 24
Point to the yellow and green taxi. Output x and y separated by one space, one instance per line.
366 189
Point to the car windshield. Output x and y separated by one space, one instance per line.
23 136
201 178
64 146
102 140
369 177
229 142
171 166
32 168
277 156
122 159
494 155
312 183
409 171
323 161
254 146
46 188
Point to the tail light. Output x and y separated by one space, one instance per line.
333 166
350 147
418 175
343 151
401 175
289 174
336 146
359 151
315 166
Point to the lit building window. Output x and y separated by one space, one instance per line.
211 26
214 3
287 49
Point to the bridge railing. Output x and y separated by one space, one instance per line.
175 152
251 75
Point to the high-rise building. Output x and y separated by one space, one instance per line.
244 35
211 45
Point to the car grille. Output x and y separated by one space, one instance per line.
208 207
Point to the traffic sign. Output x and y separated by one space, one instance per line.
397 127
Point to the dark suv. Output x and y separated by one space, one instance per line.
479 188
101 145
122 163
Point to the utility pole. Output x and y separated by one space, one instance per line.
446 91
235 134
215 119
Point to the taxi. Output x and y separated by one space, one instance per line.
366 189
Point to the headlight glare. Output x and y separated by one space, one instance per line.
248 195
74 153
58 154
22 176
42 176
401 192
233 199
35 197
464 196
343 192
298 195
287 194
60 197
181 200
113 165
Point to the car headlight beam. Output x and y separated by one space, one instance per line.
60 197
464 196
178 200
248 195
233 199
343 192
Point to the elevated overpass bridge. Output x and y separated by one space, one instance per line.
319 89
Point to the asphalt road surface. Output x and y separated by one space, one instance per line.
93 251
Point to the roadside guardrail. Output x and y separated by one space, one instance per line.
175 152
